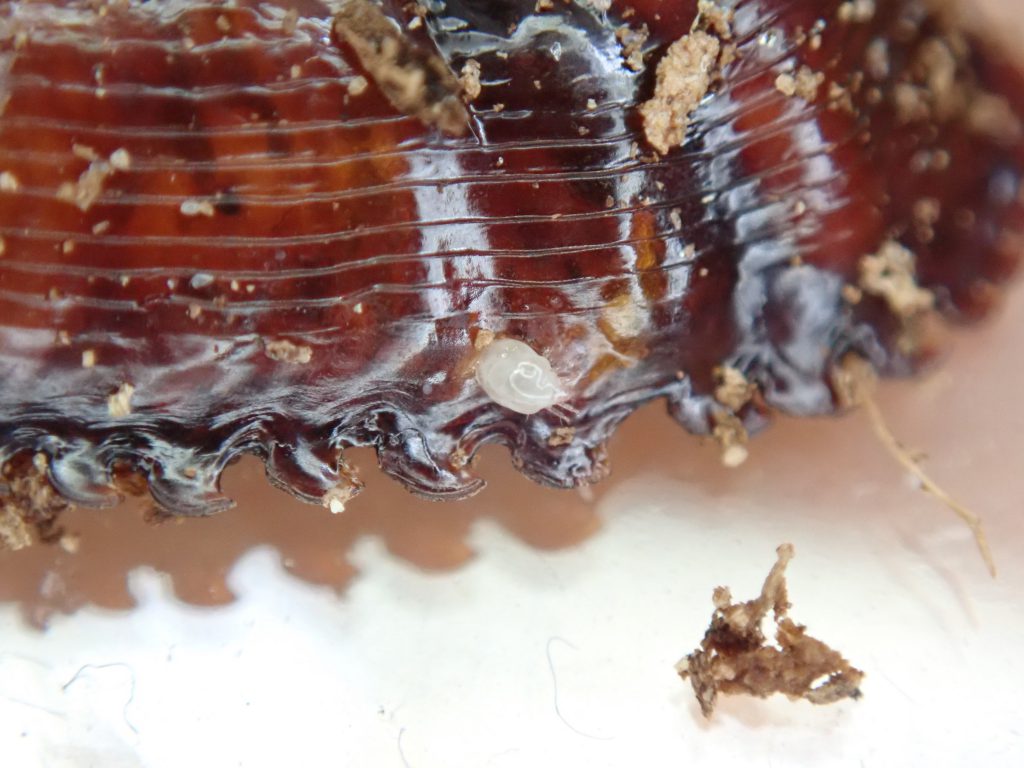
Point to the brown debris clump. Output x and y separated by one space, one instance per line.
29 504
684 77
733 389
562 436
734 657
991 116
469 79
415 81
890 275
732 437
633 42
941 89
87 190
805 83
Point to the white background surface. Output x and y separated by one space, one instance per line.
532 628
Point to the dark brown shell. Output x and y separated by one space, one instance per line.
220 236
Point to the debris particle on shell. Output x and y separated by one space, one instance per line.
890 274
414 80
120 403
286 351
684 77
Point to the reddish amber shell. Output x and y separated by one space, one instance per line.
220 235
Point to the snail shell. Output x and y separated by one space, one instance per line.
280 227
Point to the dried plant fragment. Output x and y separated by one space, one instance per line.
734 657
416 82
854 382
733 389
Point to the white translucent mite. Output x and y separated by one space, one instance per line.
515 376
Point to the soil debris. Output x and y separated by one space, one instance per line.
284 351
562 436
735 657
732 437
633 42
890 275
29 504
416 82
684 77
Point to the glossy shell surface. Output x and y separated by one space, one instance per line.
220 236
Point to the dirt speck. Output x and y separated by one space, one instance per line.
732 437
469 79
285 351
357 86
84 192
416 81
890 275
733 390
804 83
196 207
561 436
119 404
483 338
633 42
9 182
856 11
